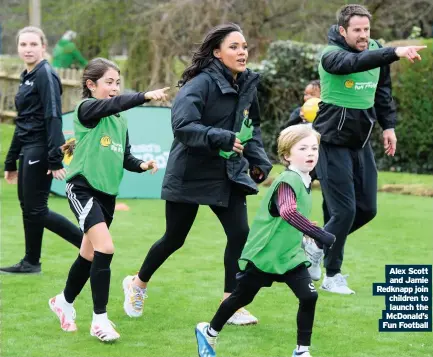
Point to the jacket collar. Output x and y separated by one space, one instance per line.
39 65
224 78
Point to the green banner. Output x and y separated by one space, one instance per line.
150 136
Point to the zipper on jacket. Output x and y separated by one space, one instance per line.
369 133
342 119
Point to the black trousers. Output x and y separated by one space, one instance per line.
33 190
179 219
348 179
252 280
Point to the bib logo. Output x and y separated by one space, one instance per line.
349 83
105 141
246 112
116 147
365 85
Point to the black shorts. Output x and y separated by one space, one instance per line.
255 277
90 207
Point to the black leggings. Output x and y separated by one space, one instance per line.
33 190
179 219
298 280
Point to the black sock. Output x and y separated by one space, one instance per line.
331 273
77 278
100 274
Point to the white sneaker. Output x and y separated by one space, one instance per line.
315 256
336 284
301 354
134 297
242 317
103 329
64 311
205 343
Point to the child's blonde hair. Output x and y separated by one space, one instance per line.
292 135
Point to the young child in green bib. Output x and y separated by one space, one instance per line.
101 154
273 252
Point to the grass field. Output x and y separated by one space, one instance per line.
187 289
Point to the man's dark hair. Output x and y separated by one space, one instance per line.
346 12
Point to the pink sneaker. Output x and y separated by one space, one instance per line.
103 329
64 311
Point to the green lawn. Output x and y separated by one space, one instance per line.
187 289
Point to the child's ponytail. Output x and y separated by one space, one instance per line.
69 147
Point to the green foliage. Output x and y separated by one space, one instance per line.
412 91
284 74
138 64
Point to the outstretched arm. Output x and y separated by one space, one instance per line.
344 62
288 211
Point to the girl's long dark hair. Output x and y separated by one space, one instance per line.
203 56
94 70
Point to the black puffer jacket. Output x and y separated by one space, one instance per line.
352 127
206 113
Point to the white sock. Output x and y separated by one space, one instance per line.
211 332
61 298
100 317
301 348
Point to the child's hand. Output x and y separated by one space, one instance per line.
151 164
308 240
58 174
158 94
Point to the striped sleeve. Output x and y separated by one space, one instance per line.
288 211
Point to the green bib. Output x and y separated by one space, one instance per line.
354 90
98 155
273 245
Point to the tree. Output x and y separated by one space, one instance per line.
160 35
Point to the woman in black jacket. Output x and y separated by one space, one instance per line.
36 143
208 163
